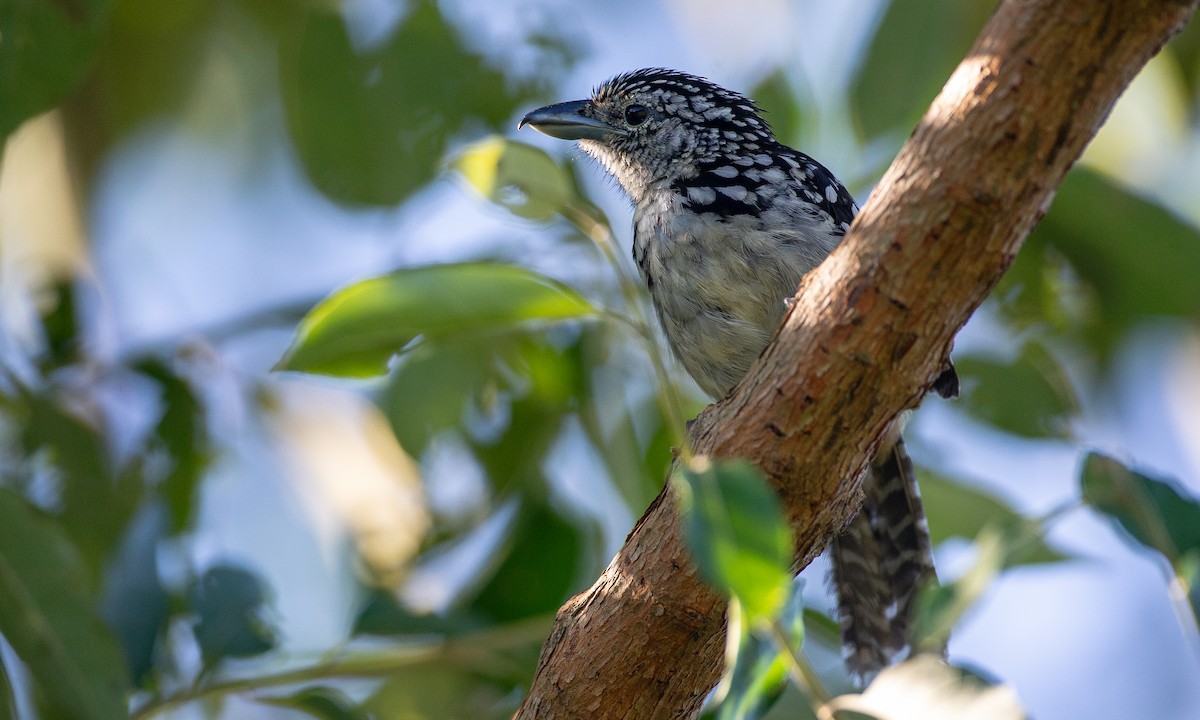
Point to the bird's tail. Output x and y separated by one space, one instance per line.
879 564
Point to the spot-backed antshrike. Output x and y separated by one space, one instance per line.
727 221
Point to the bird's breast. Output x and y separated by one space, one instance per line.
718 286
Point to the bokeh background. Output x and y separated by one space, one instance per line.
182 182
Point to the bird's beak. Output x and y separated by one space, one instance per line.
566 120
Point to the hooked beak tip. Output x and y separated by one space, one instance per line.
567 121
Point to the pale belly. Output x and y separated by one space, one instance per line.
719 295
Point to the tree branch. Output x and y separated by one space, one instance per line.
864 341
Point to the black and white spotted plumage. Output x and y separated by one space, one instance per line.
726 222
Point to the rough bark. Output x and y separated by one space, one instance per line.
866 338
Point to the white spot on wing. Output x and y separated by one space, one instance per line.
734 192
774 175
726 171
701 195
831 193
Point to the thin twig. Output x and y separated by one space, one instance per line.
364 664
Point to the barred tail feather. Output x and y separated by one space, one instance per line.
880 562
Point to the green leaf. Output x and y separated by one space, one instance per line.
182 431
1030 396
431 390
96 503
133 602
506 394
355 331
60 323
519 177
997 547
1187 571
820 627
956 510
47 616
1130 258
46 49
370 126
759 671
320 702
151 63
635 443
1154 512
781 107
438 692
540 569
382 614
926 687
738 534
542 388
230 605
1185 48
932 36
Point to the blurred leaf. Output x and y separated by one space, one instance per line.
634 442
60 325
782 107
997 547
1041 292
230 605
1135 259
1185 47
46 615
1030 396
183 432
541 385
890 95
1187 572
355 331
522 178
149 62
636 464
133 602
507 391
759 671
320 702
370 126
95 503
8 706
822 628
738 534
957 510
46 49
926 688
430 692
539 571
382 614
432 388
1154 512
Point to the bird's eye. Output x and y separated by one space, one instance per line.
636 114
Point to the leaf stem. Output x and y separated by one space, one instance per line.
801 669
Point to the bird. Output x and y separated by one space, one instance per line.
726 222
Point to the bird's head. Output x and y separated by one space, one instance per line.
651 128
